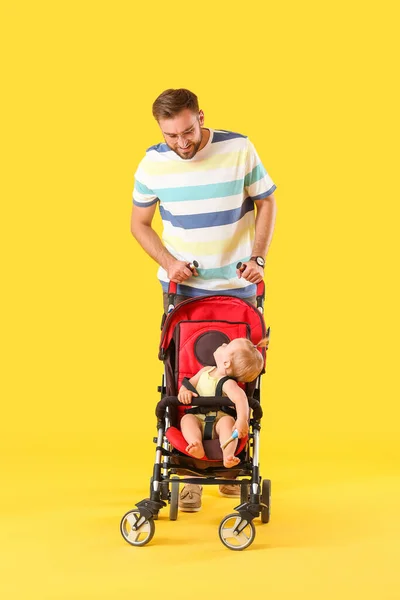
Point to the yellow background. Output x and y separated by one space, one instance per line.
314 86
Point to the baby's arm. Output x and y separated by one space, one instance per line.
185 395
239 398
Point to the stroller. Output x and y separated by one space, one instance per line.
190 334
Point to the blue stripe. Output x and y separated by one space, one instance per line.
200 192
255 175
143 189
144 204
159 148
264 195
222 136
213 219
185 290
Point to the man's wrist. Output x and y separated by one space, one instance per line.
259 260
167 260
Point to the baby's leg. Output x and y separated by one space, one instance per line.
191 431
224 430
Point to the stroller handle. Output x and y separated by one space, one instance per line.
172 288
212 401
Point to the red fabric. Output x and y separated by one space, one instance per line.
211 308
176 438
232 316
190 331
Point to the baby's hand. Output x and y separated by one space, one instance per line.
242 427
185 395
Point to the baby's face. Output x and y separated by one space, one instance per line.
225 352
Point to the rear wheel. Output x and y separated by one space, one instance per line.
266 499
244 494
174 498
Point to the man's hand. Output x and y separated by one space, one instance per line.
178 271
252 272
185 395
242 427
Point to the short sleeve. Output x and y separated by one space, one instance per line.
143 195
258 184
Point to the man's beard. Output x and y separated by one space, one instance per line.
189 155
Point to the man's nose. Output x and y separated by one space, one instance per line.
182 141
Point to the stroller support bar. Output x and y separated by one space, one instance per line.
210 481
212 401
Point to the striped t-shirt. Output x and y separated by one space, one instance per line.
207 208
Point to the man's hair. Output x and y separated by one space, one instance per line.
247 363
172 102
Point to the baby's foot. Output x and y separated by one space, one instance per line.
230 461
195 449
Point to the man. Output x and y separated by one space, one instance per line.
207 183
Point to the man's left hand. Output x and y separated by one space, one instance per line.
252 272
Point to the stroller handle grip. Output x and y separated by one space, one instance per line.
260 293
172 286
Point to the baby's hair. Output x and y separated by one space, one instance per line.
247 363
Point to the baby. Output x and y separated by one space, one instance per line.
239 359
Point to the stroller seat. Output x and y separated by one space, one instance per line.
195 342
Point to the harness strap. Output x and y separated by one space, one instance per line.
218 390
188 385
208 427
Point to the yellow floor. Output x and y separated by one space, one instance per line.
334 532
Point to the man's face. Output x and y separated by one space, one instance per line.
183 133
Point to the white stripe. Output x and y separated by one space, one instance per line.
199 207
261 186
233 254
138 197
180 180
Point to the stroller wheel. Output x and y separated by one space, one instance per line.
236 540
134 534
173 507
266 499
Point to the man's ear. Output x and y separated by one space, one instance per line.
201 118
227 364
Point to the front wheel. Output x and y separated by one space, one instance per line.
235 533
136 530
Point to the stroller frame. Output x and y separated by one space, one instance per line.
236 530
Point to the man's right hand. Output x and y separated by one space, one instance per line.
179 271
